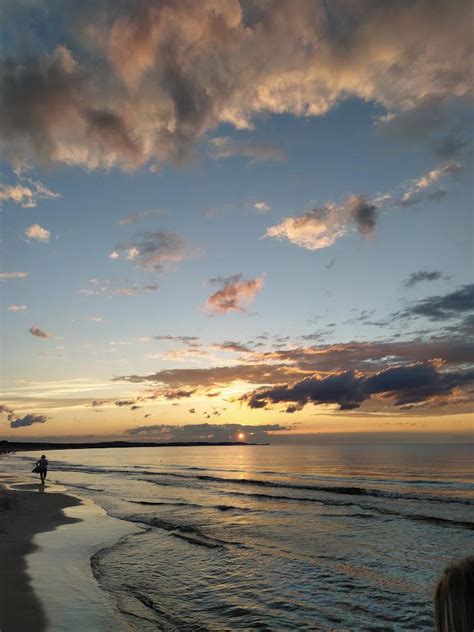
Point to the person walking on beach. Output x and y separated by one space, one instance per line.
42 465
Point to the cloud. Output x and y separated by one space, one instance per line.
231 345
444 307
187 340
262 207
337 374
209 432
422 275
26 192
113 287
134 218
124 402
348 390
152 249
321 227
35 231
177 394
225 147
28 420
39 333
169 73
5 276
235 294
17 308
419 190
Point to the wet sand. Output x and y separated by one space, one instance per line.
25 512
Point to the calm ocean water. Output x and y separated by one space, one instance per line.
276 537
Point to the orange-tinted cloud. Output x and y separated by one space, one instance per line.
235 294
169 72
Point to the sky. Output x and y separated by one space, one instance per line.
227 220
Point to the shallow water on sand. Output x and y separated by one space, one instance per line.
277 537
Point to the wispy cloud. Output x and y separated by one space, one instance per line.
422 275
151 250
444 307
6 276
235 294
262 207
135 218
114 287
420 189
26 192
17 308
225 147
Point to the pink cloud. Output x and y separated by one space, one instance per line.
235 294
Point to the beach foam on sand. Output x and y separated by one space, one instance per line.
46 541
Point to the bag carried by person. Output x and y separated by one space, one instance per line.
35 470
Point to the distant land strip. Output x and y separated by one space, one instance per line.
18 446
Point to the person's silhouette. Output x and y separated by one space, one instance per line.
42 465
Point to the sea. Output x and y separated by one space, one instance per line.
275 537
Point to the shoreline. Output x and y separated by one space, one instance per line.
25 513
47 540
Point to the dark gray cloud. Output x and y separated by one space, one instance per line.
344 389
364 213
178 394
405 384
39 333
444 307
422 275
208 432
27 420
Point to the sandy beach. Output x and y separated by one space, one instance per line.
46 542
24 512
